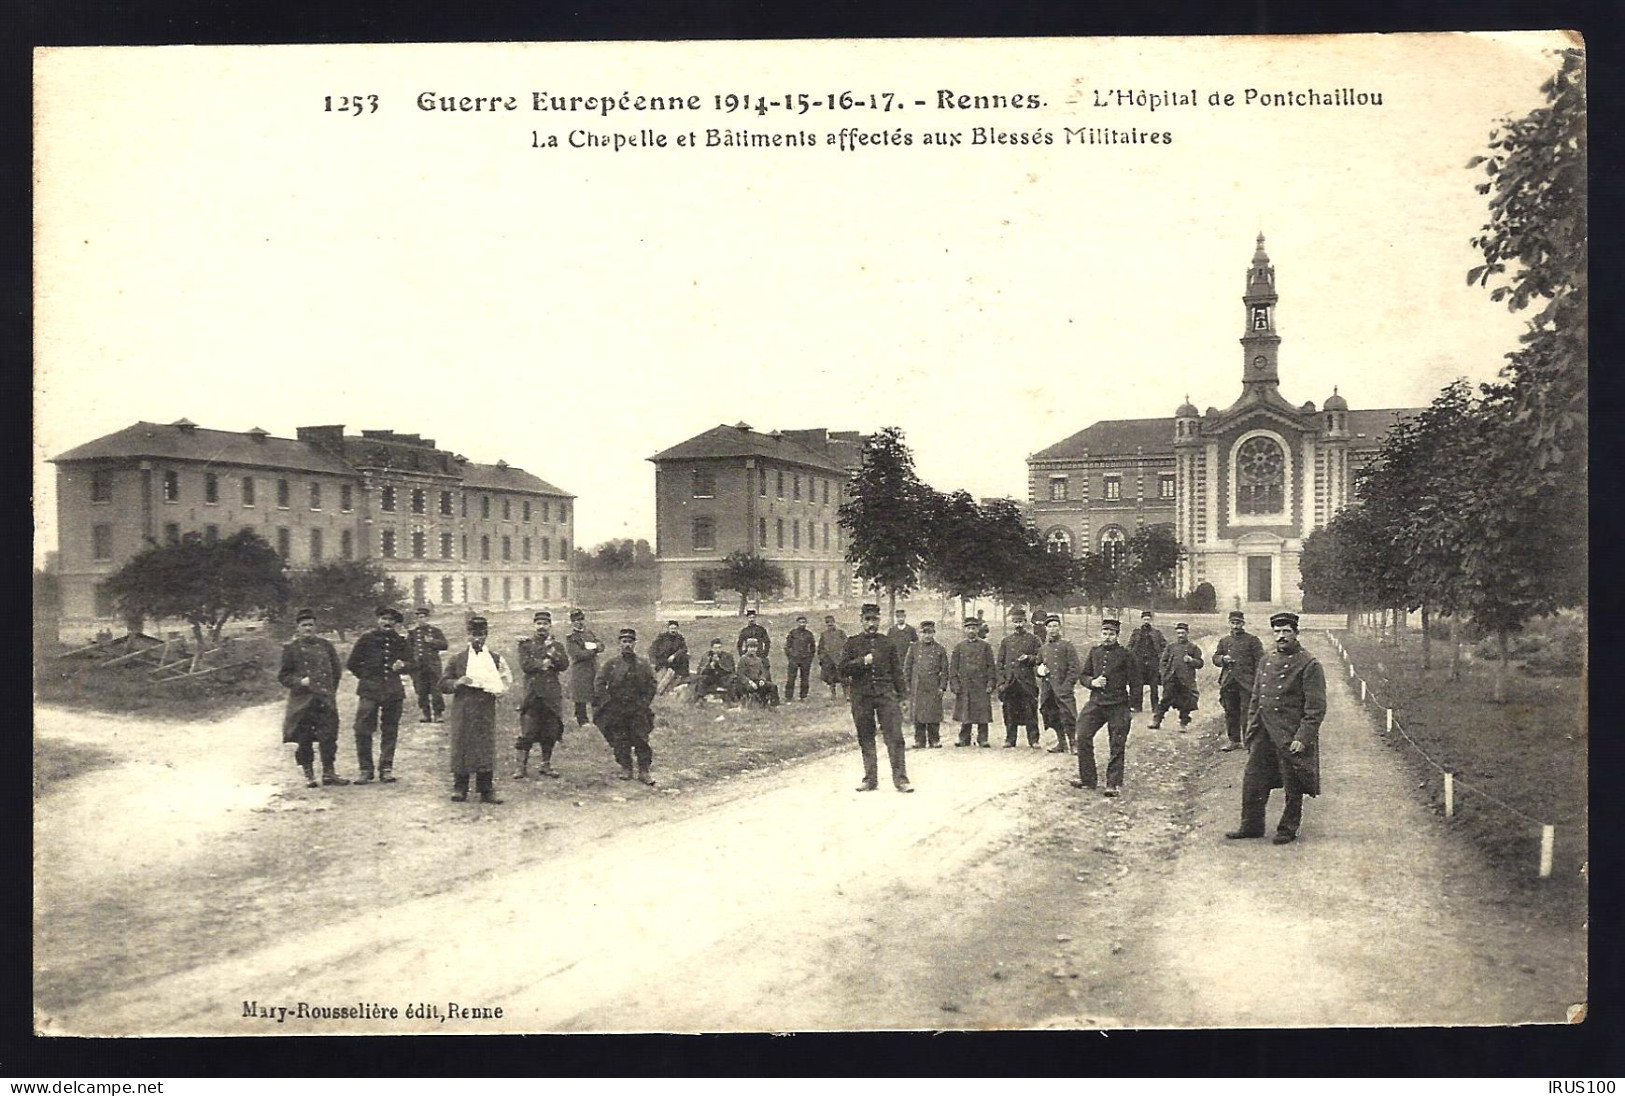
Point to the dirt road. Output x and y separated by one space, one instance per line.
994 896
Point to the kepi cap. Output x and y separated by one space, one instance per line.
1278 619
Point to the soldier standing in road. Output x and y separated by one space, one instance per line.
541 710
622 696
1146 645
1058 673
475 677
831 642
310 672
872 667
1283 733
1177 668
799 648
1111 673
925 669
377 660
427 642
1018 681
972 673
753 630
668 654
1237 656
584 648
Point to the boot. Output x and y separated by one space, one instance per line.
459 788
482 781
546 767
489 797
626 772
310 775
644 777
523 770
386 776
331 777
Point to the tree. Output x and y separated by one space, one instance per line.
346 594
207 584
749 575
887 516
1153 555
963 553
1097 579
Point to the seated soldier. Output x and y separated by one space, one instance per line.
715 675
756 678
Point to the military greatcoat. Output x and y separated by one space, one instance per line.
1064 666
583 663
830 643
315 658
925 668
1289 703
471 719
1178 676
971 675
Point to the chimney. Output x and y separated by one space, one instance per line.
326 439
185 426
259 435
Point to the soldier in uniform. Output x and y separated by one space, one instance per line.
310 672
925 669
584 648
427 642
831 642
799 648
474 677
377 660
1018 681
754 680
753 630
972 673
872 667
1177 668
1058 674
1146 645
1111 673
1283 733
1237 656
902 633
541 710
668 654
622 696
715 677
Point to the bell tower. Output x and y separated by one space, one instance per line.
1260 344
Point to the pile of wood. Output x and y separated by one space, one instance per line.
170 659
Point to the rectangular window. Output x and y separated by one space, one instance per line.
527 588
705 534
780 490
465 547
564 548
507 548
1165 486
1057 488
420 500
761 489
445 590
485 507
778 525
172 534
211 534
826 503
346 544
704 588
101 487
420 546
705 483
485 547
248 490
211 488
797 487
284 542
485 589
826 536
795 579
445 545
445 503
172 487
507 509
761 532
284 494
826 584
315 546
346 497
386 543
507 590
547 586
386 500
524 513
564 515
564 585
1114 488
315 495
465 589
420 590
547 511
524 551
465 514
795 532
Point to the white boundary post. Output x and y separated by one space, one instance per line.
1389 728
1362 691
1548 835
1449 795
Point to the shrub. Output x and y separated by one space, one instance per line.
1563 657
1202 599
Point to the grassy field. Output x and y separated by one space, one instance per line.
1530 753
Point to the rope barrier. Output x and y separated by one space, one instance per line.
1547 830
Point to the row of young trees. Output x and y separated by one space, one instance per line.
1477 508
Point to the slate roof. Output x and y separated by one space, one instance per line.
497 477
722 442
1114 437
150 440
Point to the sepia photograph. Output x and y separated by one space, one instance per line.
810 535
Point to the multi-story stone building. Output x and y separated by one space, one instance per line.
449 530
1241 487
775 495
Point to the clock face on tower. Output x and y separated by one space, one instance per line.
1259 363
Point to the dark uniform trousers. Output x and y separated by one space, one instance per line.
1234 700
628 737
319 724
426 682
801 668
1116 718
1019 709
540 725
1059 720
1148 679
384 716
1269 765
884 710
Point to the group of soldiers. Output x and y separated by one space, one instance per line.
1273 703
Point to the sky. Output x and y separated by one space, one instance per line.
211 242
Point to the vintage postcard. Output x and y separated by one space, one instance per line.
511 519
